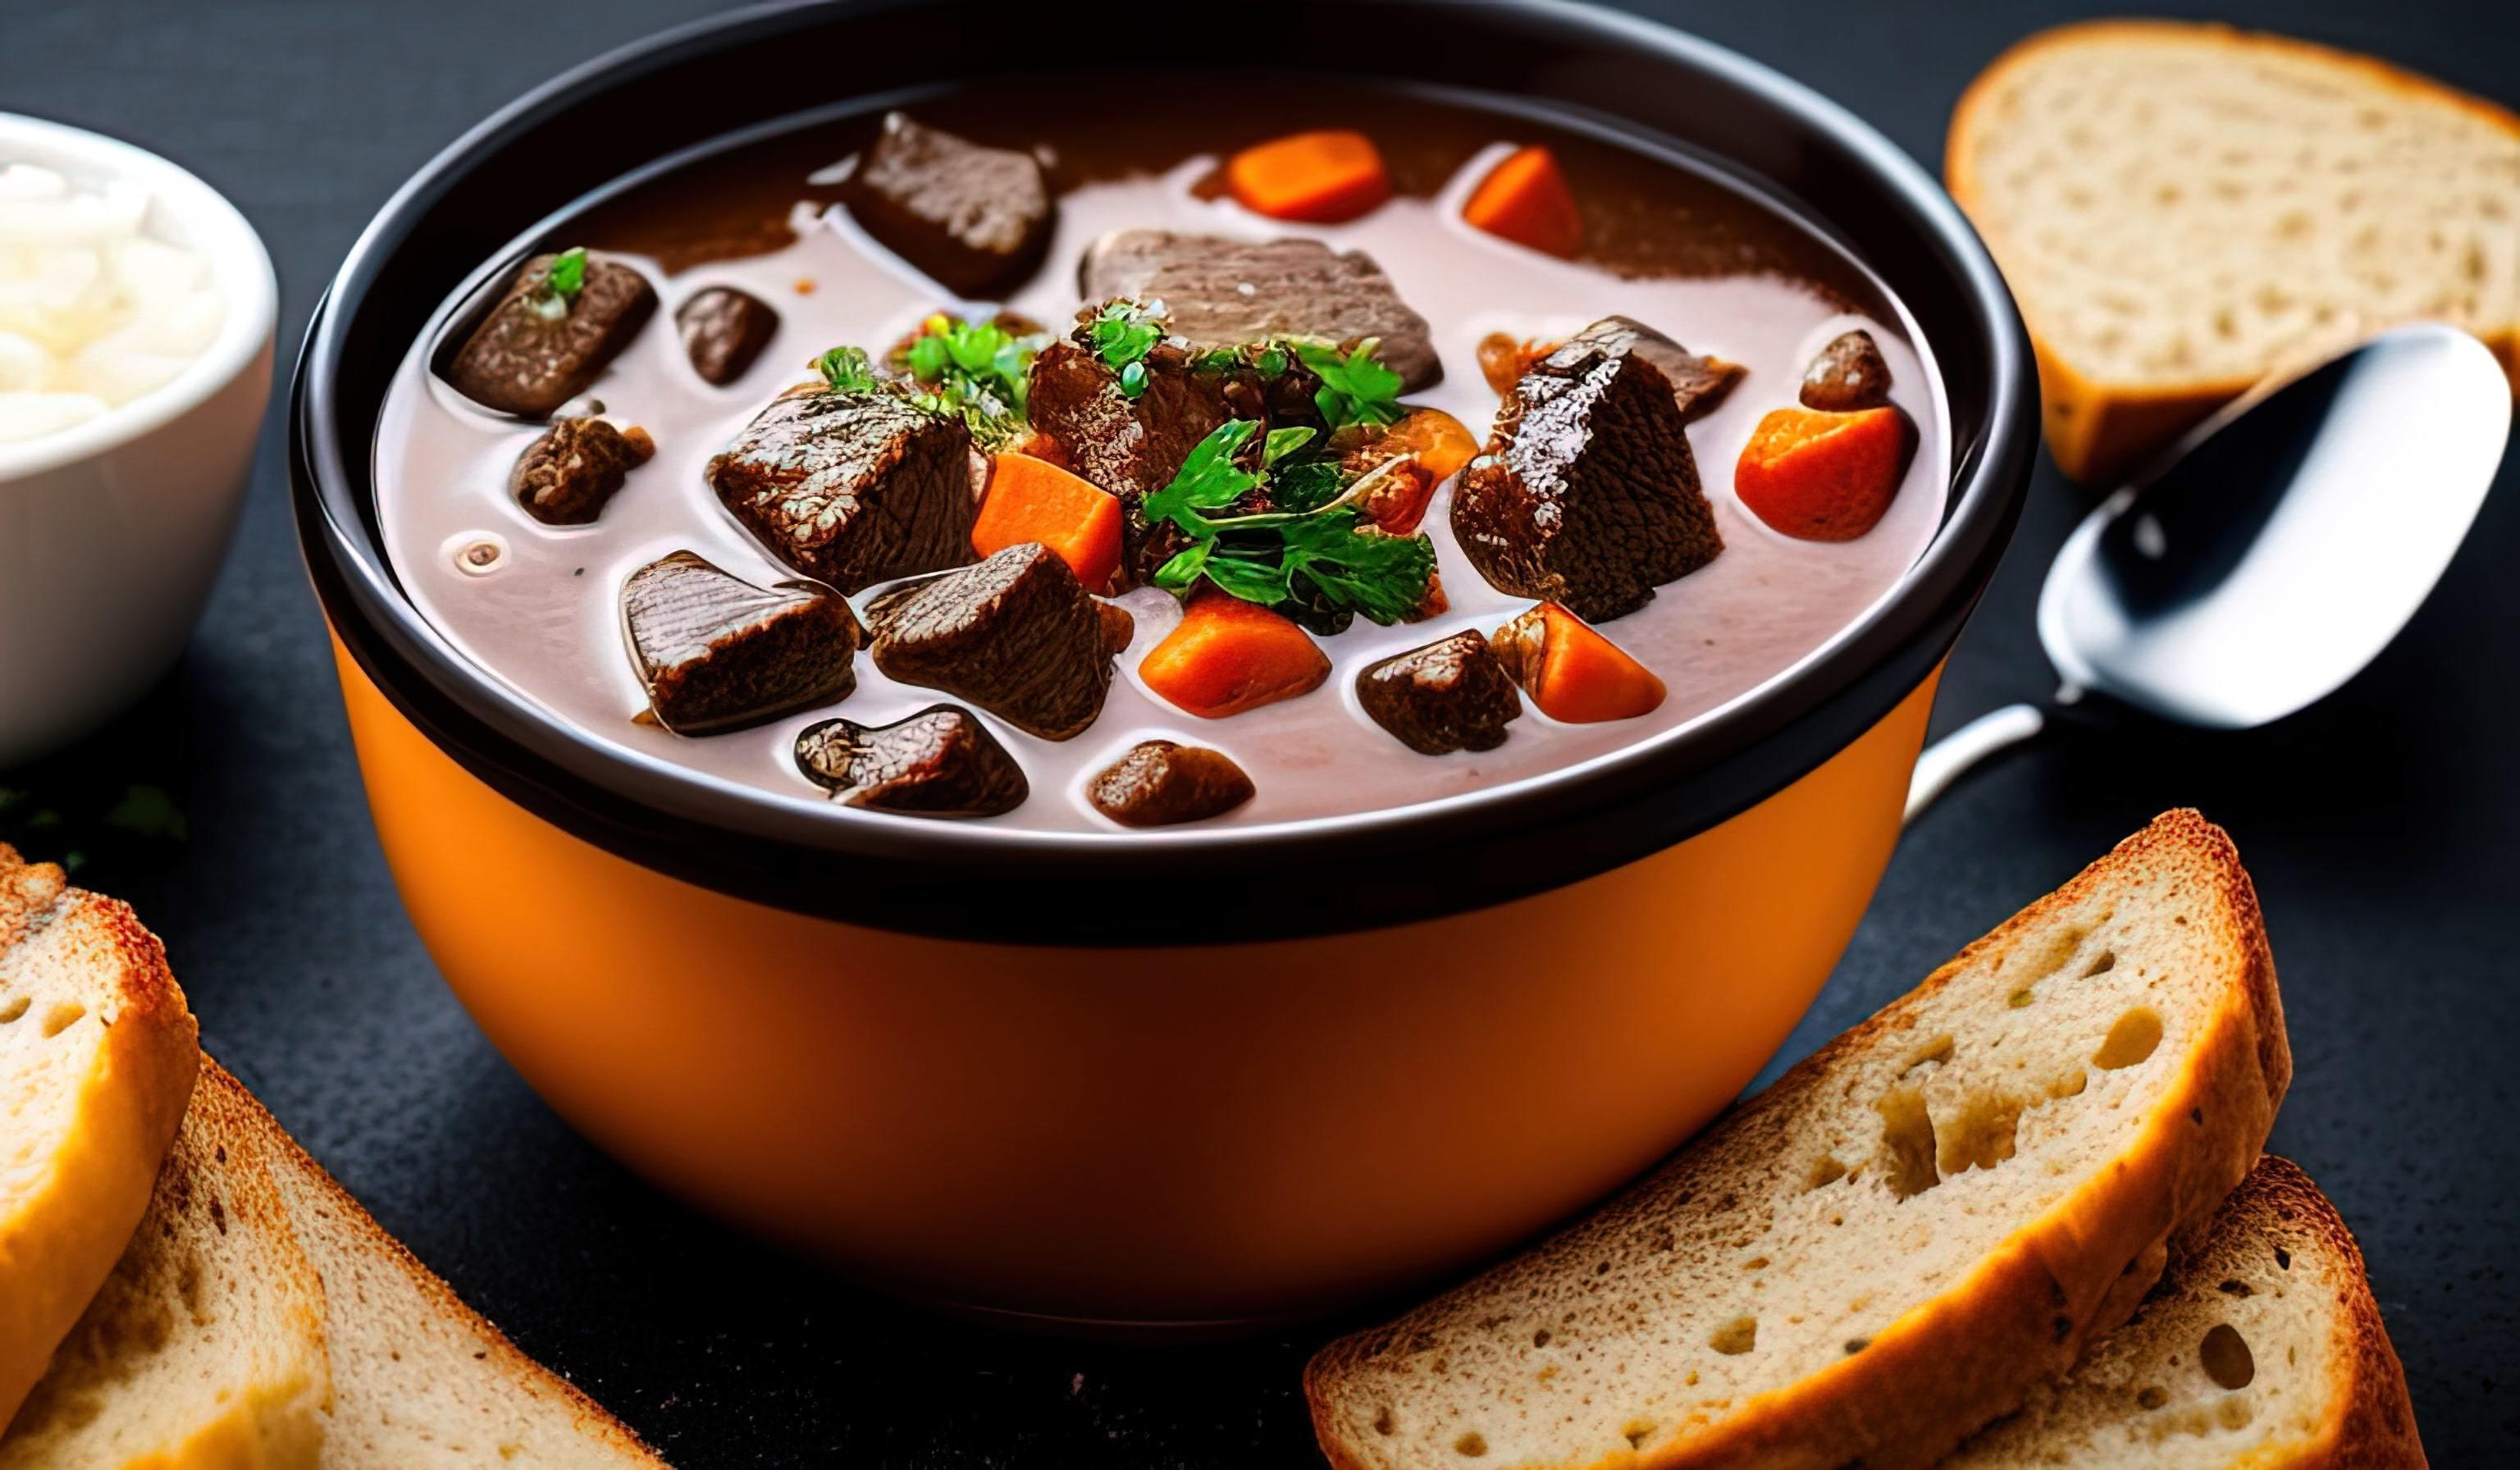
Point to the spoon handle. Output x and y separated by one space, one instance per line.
1944 761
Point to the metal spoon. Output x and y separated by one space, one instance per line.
2295 533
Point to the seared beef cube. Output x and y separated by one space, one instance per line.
716 652
1231 291
1159 783
1848 375
1017 634
1132 447
852 488
724 331
1587 495
940 762
975 219
1698 385
564 477
527 357
1450 695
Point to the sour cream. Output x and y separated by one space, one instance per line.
94 312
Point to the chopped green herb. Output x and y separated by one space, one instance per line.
976 370
847 371
148 811
562 281
1123 332
1356 388
1311 556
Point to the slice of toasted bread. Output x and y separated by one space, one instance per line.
206 1348
2260 1350
1892 1245
2182 210
97 1056
420 1381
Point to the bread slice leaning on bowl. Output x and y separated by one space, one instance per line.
2184 210
1901 1238
206 1346
97 1057
2260 1350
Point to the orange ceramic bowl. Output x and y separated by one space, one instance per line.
920 1049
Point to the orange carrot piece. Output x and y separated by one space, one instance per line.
1442 444
1320 178
1571 672
1229 655
1035 499
1525 199
1821 476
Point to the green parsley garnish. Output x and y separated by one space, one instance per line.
149 811
847 371
1123 332
561 282
1315 563
976 370
1356 388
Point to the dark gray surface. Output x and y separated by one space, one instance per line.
2383 829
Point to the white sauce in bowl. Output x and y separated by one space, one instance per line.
545 621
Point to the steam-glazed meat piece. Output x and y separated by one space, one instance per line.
852 488
975 219
566 477
1233 291
716 652
1017 634
1132 446
1698 385
1450 694
537 349
1159 783
940 762
1848 375
724 331
1587 495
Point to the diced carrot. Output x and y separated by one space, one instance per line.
1439 440
1525 199
1819 477
1571 672
1320 178
1503 360
1229 655
1035 499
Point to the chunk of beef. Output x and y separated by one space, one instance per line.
1159 783
1587 495
1848 375
975 219
564 477
852 488
1017 634
1450 694
724 331
1233 291
524 362
940 762
1698 384
716 652
1132 446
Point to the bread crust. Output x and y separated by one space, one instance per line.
68 1230
2101 432
1971 1354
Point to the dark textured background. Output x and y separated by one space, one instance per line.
2383 827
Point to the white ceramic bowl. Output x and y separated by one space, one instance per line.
111 531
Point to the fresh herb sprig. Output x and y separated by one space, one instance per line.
846 370
978 370
561 282
1122 333
1318 563
1356 387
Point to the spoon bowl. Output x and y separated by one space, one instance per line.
2283 546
